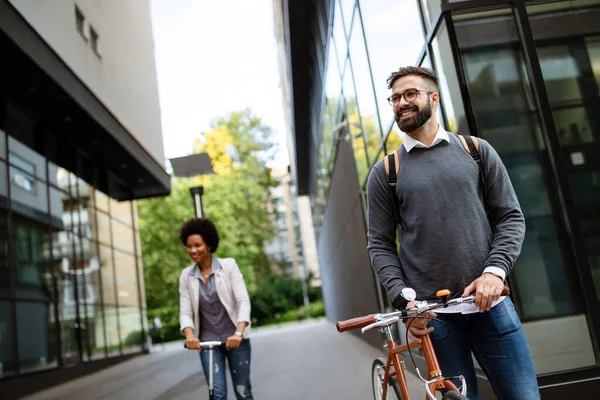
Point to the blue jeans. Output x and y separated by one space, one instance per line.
239 367
497 340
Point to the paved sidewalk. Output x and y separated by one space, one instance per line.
308 361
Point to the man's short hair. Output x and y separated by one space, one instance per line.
426 73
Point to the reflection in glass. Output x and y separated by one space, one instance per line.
109 294
573 91
36 336
339 39
129 305
368 119
387 24
430 9
394 139
102 227
121 211
593 48
451 98
543 287
347 11
8 365
353 131
122 237
32 259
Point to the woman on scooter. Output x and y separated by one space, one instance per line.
214 306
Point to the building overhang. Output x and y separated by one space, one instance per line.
73 128
299 42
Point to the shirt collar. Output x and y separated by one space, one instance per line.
215 265
410 143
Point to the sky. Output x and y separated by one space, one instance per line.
214 58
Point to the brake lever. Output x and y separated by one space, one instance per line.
377 324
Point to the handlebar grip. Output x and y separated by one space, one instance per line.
355 323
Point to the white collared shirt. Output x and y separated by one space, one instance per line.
441 135
410 143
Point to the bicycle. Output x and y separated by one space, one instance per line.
210 347
382 374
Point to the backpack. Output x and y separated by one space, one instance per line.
392 168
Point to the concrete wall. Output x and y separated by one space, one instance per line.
123 76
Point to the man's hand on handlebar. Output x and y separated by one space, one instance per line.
419 327
487 289
192 343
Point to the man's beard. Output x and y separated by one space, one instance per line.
416 121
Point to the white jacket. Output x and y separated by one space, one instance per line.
231 290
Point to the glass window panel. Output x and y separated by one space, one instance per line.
347 10
26 158
353 131
101 201
37 336
129 305
385 20
451 98
30 200
570 67
109 293
131 329
394 139
368 120
593 48
112 319
8 365
339 39
430 9
123 237
32 258
2 144
544 288
5 267
102 227
121 211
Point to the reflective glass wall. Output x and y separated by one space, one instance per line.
523 75
70 284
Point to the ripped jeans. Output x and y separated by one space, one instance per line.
239 367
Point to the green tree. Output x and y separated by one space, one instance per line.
235 198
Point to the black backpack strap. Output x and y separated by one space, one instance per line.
392 168
471 146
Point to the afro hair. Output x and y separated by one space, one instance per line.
203 227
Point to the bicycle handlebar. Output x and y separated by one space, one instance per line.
355 323
421 307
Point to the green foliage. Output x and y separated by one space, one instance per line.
279 294
134 338
234 198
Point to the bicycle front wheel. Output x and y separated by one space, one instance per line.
377 373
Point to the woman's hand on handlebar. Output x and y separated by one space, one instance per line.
192 343
419 327
233 342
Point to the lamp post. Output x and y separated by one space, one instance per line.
197 192
189 167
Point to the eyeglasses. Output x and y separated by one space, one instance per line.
409 95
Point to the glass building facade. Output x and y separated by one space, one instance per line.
71 289
525 76
71 277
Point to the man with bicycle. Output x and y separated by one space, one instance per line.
461 228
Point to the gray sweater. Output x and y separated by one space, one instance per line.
445 238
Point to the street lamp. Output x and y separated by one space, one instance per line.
189 167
